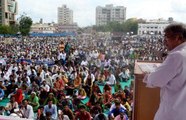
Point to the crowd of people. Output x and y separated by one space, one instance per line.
51 77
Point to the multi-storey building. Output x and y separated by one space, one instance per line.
65 15
66 28
109 13
8 11
153 26
65 20
43 28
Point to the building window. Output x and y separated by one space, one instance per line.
6 15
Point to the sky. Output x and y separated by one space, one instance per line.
84 10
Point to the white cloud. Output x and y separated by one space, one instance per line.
84 10
178 10
178 6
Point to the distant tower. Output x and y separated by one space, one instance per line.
170 19
41 21
65 15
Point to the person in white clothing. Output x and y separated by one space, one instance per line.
52 109
61 116
45 86
84 62
111 79
170 76
113 106
27 110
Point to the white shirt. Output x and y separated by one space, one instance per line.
28 113
63 56
49 81
127 72
42 75
113 106
65 117
84 62
107 63
171 78
53 110
46 87
112 80
10 105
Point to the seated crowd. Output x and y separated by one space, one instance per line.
71 89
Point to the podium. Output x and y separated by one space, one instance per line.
146 100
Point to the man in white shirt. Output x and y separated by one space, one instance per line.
111 79
84 62
45 86
51 108
48 80
27 110
62 57
171 75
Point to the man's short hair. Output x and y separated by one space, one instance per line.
117 102
41 107
82 107
25 100
176 28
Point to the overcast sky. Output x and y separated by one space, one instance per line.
84 10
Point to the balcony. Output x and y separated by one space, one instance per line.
9 2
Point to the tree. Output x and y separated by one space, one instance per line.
14 28
131 25
9 30
4 29
25 24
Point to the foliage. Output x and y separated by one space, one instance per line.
130 25
4 29
12 29
25 24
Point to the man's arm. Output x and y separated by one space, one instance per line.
169 69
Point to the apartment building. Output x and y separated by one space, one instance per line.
65 15
109 13
8 12
155 26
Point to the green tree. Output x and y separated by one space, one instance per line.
25 24
115 27
14 29
131 25
4 29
